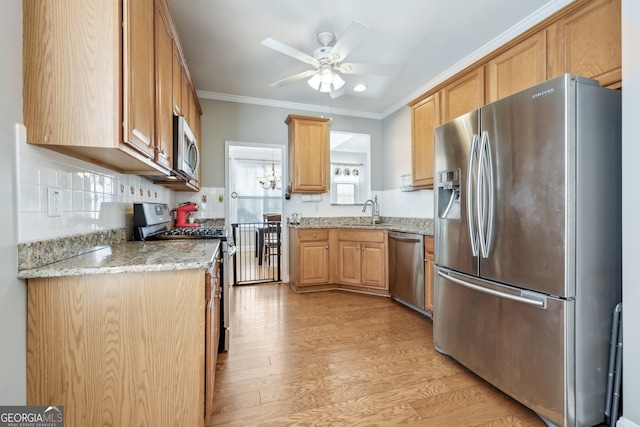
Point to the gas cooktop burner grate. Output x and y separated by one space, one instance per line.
215 232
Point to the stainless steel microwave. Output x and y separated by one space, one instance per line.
186 155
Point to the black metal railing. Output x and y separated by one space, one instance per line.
258 252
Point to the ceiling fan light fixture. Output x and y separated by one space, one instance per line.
325 87
315 81
337 81
327 76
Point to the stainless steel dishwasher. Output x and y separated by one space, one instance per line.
406 268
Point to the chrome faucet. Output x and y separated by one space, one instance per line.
375 209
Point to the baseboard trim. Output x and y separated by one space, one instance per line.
624 422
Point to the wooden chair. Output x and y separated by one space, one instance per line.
272 235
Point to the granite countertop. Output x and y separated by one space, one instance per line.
407 225
129 257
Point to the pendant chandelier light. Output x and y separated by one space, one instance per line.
271 179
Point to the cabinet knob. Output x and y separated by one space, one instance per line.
315 235
326 247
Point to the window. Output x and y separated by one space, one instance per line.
252 199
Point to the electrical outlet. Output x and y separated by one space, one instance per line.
54 201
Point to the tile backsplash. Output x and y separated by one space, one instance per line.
393 203
210 200
92 198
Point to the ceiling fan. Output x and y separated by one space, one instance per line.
327 60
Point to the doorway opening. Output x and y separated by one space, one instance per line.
254 186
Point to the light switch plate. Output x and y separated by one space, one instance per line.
54 201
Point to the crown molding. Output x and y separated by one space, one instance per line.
530 21
288 105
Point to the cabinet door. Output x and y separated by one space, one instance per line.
425 117
522 66
66 45
314 263
349 263
186 94
429 264
176 73
212 337
463 95
139 76
309 147
588 42
164 88
374 264
194 124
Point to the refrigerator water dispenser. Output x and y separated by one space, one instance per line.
449 194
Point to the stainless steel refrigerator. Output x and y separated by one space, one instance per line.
528 244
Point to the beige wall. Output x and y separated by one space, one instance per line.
230 121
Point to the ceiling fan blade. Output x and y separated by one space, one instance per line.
294 78
351 38
336 93
374 69
290 51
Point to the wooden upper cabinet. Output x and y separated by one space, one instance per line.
55 112
308 153
425 117
588 42
518 68
463 95
164 88
186 94
176 70
79 80
139 75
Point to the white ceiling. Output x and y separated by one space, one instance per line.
428 41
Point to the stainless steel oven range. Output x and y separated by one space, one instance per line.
152 221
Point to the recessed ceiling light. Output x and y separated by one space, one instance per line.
360 87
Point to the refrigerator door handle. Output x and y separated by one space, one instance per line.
531 301
473 233
485 191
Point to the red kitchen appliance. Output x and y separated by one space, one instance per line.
182 213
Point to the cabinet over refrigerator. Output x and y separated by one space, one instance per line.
528 244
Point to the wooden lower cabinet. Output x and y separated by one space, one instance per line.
309 257
212 338
120 349
329 258
362 258
429 264
314 263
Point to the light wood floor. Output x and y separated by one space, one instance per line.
343 359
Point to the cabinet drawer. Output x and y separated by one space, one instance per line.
428 244
362 235
313 234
